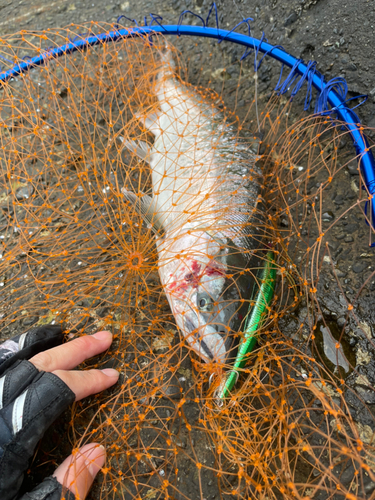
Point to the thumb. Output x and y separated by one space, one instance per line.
78 471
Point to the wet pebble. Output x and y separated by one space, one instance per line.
348 474
358 267
353 168
328 216
30 320
369 485
7 209
103 311
341 321
348 239
340 274
367 395
339 200
351 228
292 18
340 236
24 192
171 387
284 222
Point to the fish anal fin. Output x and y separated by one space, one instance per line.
144 206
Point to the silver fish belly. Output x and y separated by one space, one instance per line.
205 208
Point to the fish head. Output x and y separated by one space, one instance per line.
204 283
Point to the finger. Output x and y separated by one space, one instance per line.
78 471
71 354
29 344
85 383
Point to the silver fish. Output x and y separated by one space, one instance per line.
205 211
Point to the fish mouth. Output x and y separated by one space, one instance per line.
207 340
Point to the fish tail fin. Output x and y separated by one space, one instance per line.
168 69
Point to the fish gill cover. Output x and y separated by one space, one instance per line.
79 132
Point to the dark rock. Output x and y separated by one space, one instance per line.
333 245
339 200
284 222
292 18
369 485
340 236
341 321
358 267
7 209
103 311
353 168
339 250
340 274
30 320
351 228
348 239
348 474
352 341
170 387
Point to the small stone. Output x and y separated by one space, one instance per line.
30 320
124 6
353 168
351 228
348 239
341 321
339 200
170 387
292 18
328 216
340 274
284 222
333 245
358 267
24 192
347 475
340 236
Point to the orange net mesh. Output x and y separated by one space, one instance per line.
299 422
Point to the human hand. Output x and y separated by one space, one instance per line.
33 394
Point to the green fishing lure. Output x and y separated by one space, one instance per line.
254 322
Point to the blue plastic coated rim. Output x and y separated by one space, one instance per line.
344 113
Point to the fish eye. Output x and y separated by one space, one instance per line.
204 302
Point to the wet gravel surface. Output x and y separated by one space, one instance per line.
339 35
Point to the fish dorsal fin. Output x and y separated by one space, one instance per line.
144 206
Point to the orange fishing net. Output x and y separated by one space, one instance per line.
299 422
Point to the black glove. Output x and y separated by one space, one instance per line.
29 402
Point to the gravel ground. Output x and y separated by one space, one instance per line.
339 36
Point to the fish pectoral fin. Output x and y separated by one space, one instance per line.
151 122
140 148
144 206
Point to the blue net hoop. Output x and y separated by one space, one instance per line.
332 93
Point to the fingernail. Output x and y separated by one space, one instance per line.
95 465
110 372
101 335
